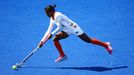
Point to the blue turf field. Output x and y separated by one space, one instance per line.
23 24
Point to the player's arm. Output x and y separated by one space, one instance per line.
56 30
47 35
58 26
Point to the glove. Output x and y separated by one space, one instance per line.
50 35
40 44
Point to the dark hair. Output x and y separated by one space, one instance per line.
50 8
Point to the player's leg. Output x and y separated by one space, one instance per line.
59 36
87 39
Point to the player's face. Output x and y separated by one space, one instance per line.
49 14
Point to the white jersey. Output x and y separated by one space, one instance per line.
63 24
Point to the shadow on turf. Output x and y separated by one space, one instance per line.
96 68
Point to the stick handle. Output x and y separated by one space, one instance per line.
28 56
31 53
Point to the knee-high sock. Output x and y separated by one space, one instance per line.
58 46
97 42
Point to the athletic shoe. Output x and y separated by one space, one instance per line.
61 58
109 47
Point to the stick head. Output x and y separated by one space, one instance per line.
16 66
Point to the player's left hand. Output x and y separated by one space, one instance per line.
40 44
49 36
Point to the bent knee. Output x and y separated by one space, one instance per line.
56 38
85 38
88 40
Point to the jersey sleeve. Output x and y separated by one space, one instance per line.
56 30
51 25
58 19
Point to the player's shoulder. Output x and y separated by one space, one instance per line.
58 13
